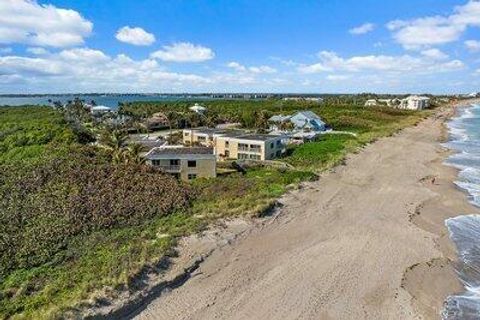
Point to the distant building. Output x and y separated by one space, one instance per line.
371 103
186 163
312 99
198 108
415 103
157 121
99 110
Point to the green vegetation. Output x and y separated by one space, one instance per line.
77 225
25 133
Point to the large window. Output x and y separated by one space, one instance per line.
192 163
175 162
242 156
156 162
192 176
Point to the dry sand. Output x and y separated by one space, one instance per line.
366 241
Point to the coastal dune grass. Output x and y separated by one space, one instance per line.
70 243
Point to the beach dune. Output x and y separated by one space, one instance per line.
366 241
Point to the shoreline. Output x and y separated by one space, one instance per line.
390 278
450 201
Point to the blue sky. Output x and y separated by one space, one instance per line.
242 46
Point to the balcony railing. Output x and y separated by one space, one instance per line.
247 149
169 168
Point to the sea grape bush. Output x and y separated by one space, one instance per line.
43 206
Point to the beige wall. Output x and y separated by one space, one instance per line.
267 152
191 137
205 168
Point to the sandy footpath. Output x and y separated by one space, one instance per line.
366 241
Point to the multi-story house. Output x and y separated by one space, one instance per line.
185 163
249 147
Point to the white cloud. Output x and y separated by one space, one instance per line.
237 66
37 51
84 69
337 77
436 30
473 45
330 61
262 69
136 36
184 52
28 22
434 54
364 28
257 70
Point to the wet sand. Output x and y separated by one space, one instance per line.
366 241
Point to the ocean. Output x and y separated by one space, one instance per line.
465 229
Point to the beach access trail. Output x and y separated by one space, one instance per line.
344 247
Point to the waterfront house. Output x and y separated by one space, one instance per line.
303 120
249 146
415 103
370 103
186 163
202 136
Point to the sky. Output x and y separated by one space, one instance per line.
288 46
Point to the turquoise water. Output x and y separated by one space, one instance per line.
465 229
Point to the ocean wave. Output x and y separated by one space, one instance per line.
465 229
465 234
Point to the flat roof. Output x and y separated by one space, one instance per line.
258 137
181 150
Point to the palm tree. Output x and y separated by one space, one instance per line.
114 141
132 154
172 117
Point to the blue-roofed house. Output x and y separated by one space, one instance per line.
307 121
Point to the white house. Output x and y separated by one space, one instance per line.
371 103
415 103
98 110
198 108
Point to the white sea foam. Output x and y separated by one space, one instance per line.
465 229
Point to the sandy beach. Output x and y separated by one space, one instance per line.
365 241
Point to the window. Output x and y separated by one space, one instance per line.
201 138
192 176
255 157
279 143
175 162
192 163
227 144
271 145
156 162
186 134
243 147
242 156
227 154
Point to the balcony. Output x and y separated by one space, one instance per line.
247 149
169 168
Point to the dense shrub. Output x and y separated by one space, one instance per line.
43 206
